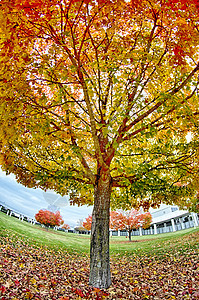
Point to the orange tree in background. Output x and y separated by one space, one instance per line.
48 218
66 226
125 220
96 100
129 220
87 224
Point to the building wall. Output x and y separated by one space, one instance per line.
168 219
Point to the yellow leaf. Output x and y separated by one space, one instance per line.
33 281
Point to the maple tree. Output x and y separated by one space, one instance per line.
66 226
80 228
48 218
129 220
124 220
97 98
87 224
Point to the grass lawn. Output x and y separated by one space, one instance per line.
37 235
41 264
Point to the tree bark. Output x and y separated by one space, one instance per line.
130 235
100 276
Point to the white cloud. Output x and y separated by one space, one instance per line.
35 199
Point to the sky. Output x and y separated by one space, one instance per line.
29 201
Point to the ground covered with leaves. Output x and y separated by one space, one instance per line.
37 272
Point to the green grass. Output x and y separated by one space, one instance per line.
37 235
160 244
153 244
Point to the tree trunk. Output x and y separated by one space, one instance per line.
100 276
130 235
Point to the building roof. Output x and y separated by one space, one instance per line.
167 215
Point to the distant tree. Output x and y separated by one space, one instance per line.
87 223
66 226
80 227
49 218
129 220
114 220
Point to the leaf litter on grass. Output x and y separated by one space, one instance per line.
38 272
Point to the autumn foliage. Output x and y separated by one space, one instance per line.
129 220
97 98
49 218
66 226
100 83
124 220
87 223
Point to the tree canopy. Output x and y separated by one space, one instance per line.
66 226
87 223
129 220
113 82
48 218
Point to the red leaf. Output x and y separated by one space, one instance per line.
79 293
2 289
17 283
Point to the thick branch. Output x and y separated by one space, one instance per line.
124 130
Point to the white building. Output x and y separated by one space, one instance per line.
170 219
166 219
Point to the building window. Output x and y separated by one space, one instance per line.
174 209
